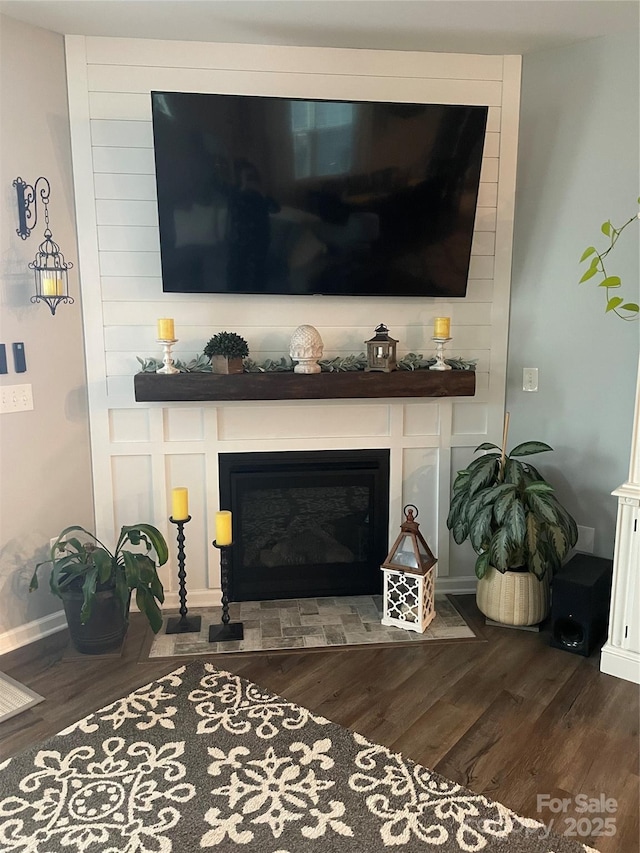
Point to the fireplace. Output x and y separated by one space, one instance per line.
306 524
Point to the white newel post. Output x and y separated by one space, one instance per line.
621 652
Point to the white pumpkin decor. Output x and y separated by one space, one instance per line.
306 348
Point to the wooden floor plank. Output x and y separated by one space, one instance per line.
510 717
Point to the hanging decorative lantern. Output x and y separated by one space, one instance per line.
381 351
408 596
49 266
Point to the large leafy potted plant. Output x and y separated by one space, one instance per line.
517 527
95 584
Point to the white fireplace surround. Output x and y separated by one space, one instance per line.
141 450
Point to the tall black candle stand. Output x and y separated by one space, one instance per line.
227 630
182 624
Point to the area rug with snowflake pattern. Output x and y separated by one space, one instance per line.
204 760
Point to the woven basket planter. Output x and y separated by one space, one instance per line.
513 598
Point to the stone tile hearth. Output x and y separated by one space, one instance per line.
305 623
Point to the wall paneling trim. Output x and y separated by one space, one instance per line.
141 450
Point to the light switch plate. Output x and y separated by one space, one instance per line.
529 378
16 398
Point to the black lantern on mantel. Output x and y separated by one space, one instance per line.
409 580
381 351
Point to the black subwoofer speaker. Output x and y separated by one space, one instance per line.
580 597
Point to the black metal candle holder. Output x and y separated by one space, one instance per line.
182 624
227 630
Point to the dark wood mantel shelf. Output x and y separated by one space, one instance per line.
201 387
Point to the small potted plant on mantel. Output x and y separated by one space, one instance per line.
95 584
226 351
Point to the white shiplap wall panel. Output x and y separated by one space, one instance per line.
489 170
484 243
129 187
487 194
491 145
132 134
327 313
112 138
110 78
149 289
130 238
485 219
125 106
132 161
145 264
480 267
141 340
293 60
127 212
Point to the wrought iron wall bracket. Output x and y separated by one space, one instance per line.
27 196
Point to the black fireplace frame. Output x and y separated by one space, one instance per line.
369 466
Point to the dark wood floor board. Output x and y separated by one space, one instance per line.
428 739
509 717
479 756
502 662
387 715
545 673
347 686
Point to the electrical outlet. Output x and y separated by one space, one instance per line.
529 378
16 398
585 543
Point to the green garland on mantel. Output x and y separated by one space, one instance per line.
411 361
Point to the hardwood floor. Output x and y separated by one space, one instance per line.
511 717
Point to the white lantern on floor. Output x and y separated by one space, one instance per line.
408 570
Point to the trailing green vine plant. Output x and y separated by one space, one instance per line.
597 267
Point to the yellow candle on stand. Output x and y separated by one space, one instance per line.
52 287
442 327
180 504
166 331
223 527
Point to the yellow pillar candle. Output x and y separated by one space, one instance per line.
223 527
180 504
166 331
442 327
52 287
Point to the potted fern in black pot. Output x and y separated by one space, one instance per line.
517 527
226 351
95 584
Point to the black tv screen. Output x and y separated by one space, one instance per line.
290 196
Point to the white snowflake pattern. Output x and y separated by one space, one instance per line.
119 799
226 700
273 792
146 705
412 801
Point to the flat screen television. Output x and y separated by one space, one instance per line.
290 196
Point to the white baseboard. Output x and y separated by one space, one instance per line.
195 598
32 631
621 663
465 585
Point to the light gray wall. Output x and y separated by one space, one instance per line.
578 166
44 454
